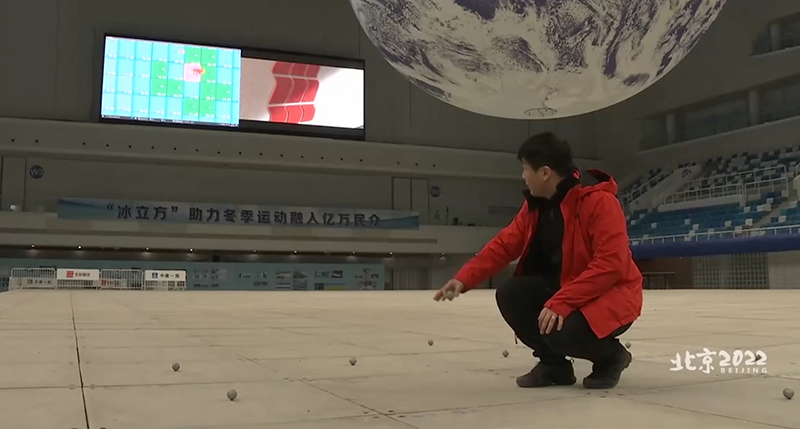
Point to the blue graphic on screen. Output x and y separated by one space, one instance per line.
171 82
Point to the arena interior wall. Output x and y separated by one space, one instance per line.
721 63
59 47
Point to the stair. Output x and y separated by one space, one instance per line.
707 168
775 212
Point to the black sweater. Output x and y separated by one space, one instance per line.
544 251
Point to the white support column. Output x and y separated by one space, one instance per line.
401 193
754 106
672 134
775 37
420 198
12 192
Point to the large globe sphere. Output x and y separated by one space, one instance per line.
526 59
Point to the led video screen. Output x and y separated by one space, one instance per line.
296 93
161 81
197 85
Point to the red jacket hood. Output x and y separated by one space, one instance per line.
606 183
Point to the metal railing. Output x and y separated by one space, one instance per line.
121 279
771 185
743 189
741 176
716 235
705 193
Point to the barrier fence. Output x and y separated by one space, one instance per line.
705 193
744 184
109 279
746 176
771 185
706 236
32 278
733 189
121 279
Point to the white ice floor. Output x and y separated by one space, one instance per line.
102 359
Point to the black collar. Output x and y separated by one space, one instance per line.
561 192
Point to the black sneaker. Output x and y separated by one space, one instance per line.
605 375
548 374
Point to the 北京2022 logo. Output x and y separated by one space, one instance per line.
723 362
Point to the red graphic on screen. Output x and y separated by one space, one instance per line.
296 86
193 72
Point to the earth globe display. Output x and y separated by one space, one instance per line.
534 59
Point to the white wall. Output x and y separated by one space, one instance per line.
60 44
46 230
12 179
92 179
101 160
764 137
720 63
470 202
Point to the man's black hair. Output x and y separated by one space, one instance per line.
546 149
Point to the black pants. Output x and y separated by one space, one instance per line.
520 301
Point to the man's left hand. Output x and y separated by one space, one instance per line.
548 319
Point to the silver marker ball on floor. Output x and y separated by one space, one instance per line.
176 366
788 393
430 342
353 361
450 294
627 344
232 394
505 353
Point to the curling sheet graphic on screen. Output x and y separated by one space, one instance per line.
161 81
296 93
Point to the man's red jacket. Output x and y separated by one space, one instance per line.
598 275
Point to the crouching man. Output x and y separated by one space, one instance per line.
576 287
